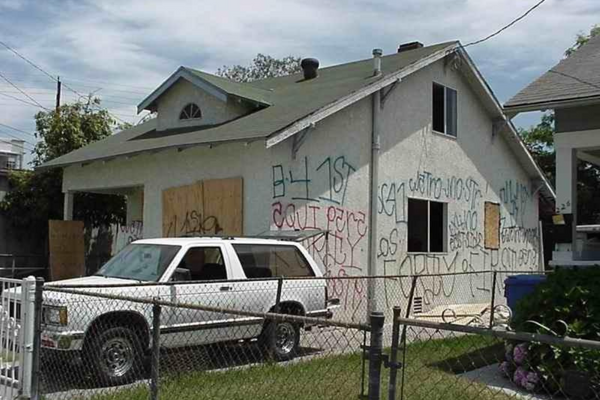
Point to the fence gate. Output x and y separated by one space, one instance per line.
16 336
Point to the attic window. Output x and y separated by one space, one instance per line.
444 110
190 111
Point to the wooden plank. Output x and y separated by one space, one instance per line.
492 225
223 205
182 210
67 254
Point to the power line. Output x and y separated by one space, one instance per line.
23 92
17 129
18 99
34 65
18 138
499 31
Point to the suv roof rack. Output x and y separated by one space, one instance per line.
291 235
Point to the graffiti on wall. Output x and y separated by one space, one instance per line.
318 194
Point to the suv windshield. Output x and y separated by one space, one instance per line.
142 262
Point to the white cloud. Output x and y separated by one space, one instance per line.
128 47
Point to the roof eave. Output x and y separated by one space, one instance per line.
514 109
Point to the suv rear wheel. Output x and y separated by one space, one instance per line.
116 356
283 343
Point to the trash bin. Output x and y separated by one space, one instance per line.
518 286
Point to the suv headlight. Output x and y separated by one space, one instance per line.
56 315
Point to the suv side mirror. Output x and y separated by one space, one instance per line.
181 274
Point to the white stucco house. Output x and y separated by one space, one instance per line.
415 141
572 90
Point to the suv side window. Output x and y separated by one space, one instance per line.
204 264
265 261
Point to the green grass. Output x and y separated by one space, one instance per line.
431 373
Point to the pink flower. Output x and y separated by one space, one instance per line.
520 377
520 353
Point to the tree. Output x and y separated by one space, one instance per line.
262 67
540 142
36 197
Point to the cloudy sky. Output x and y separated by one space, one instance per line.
122 49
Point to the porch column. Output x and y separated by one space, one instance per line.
566 191
68 206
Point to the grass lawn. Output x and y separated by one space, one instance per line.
431 369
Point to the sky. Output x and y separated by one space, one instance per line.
120 50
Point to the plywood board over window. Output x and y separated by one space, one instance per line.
492 225
65 242
211 207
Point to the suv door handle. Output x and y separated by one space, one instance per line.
225 288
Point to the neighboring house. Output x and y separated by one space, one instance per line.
11 158
572 90
456 189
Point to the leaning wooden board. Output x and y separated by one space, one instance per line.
67 254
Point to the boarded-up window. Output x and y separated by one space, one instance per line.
492 225
210 207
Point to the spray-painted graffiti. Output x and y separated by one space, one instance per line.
193 223
122 235
327 182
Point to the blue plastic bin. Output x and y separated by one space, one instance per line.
518 286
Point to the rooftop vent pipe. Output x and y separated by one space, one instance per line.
377 53
310 67
409 46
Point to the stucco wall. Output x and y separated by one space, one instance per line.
577 118
214 111
326 186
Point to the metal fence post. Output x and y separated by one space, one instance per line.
375 354
155 362
37 338
26 334
493 305
393 364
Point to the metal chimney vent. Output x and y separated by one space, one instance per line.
409 46
310 67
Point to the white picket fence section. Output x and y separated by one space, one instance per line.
17 310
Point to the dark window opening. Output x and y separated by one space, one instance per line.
190 111
204 264
265 261
426 226
444 110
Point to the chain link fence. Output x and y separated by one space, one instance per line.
442 361
438 336
198 341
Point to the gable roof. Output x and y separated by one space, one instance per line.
292 99
296 104
572 81
215 85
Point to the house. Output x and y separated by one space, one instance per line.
11 158
571 89
414 141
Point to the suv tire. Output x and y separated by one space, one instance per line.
116 356
281 345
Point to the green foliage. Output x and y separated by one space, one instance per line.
263 66
582 39
36 197
572 296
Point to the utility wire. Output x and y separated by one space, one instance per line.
17 129
18 99
23 92
34 65
16 137
499 31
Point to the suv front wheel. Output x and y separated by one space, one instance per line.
116 356
282 345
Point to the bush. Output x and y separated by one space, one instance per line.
571 296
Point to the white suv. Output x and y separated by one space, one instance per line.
233 273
